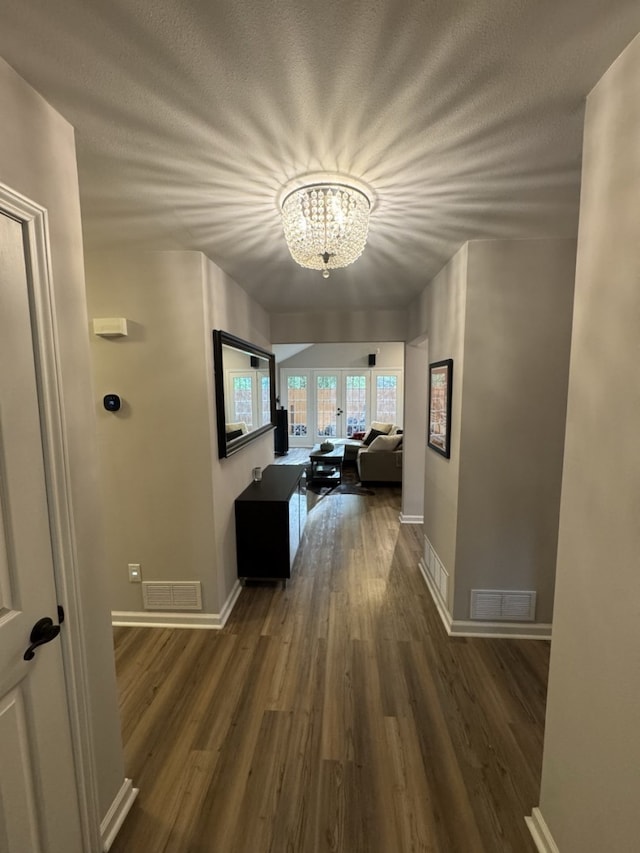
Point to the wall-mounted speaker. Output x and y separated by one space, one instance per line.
372 359
253 360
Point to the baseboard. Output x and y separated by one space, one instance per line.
475 628
435 594
540 833
229 604
118 811
500 630
162 619
411 519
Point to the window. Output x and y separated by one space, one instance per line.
386 399
242 396
265 399
297 402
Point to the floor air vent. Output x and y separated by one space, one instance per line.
495 605
171 595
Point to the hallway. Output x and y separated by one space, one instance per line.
334 715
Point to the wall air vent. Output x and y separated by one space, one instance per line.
171 595
503 605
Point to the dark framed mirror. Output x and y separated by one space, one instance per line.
245 384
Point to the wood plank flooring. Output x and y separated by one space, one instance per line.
334 715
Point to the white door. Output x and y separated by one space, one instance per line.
341 403
38 797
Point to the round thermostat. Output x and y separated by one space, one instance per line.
111 402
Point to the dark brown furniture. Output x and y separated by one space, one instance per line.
270 517
281 435
327 465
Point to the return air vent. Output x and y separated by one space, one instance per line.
172 595
495 605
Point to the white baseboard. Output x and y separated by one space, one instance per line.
540 833
435 594
118 811
228 606
162 619
411 519
476 628
501 630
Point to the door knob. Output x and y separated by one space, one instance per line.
42 632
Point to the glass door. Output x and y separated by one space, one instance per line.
295 389
341 403
328 412
328 404
356 403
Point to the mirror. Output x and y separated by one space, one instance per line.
245 391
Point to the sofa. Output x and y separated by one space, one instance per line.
378 455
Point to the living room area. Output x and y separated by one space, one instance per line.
341 412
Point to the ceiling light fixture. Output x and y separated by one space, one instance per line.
325 219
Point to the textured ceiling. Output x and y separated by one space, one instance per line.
464 117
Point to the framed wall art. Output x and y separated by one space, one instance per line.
440 383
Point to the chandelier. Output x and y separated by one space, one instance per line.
325 220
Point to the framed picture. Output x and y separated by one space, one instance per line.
440 382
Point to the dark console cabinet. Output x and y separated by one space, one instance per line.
270 517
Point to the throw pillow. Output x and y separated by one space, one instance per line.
232 427
371 436
381 427
385 442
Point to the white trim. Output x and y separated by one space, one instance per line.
162 619
118 811
55 450
540 833
501 630
435 594
229 604
494 630
411 519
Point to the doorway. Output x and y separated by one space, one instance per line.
338 403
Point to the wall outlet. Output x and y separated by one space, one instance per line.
135 575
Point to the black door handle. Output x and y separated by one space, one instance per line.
42 632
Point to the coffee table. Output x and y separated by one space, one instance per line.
327 465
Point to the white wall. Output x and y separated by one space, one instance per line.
415 420
347 355
168 497
37 158
338 326
446 298
154 452
516 356
501 309
228 307
590 792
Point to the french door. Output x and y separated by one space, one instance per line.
324 404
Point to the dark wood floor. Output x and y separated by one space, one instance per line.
334 715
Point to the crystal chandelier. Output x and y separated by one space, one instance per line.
326 220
